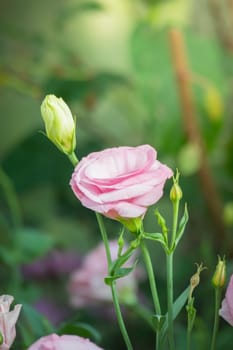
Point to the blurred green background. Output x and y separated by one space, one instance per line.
112 62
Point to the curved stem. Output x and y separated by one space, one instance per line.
73 158
216 317
153 287
150 271
105 238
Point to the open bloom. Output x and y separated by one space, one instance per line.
120 183
8 320
64 342
226 310
59 123
87 286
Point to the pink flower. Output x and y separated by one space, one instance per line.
87 286
120 182
8 320
64 342
226 310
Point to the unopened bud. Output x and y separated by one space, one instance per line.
1 339
176 193
59 123
195 279
219 276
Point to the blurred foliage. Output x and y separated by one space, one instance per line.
111 62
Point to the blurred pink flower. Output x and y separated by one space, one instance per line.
226 310
87 286
63 342
8 320
120 183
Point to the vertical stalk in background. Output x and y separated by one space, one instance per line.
193 133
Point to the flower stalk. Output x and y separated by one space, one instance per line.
74 160
218 281
175 197
113 284
218 293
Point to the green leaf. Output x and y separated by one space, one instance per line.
119 273
158 237
33 325
31 244
182 225
121 260
82 329
177 306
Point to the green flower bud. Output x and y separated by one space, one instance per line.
176 193
1 339
219 276
59 123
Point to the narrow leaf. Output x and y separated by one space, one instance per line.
177 306
182 225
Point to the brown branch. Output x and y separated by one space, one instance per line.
224 35
193 132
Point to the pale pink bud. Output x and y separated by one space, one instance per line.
8 320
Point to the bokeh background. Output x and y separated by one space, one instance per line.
133 72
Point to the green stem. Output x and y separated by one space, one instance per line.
189 332
169 260
105 239
150 271
170 300
113 284
73 158
119 317
143 312
153 287
11 198
191 311
216 317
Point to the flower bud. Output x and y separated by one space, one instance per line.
59 123
195 279
219 276
176 192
